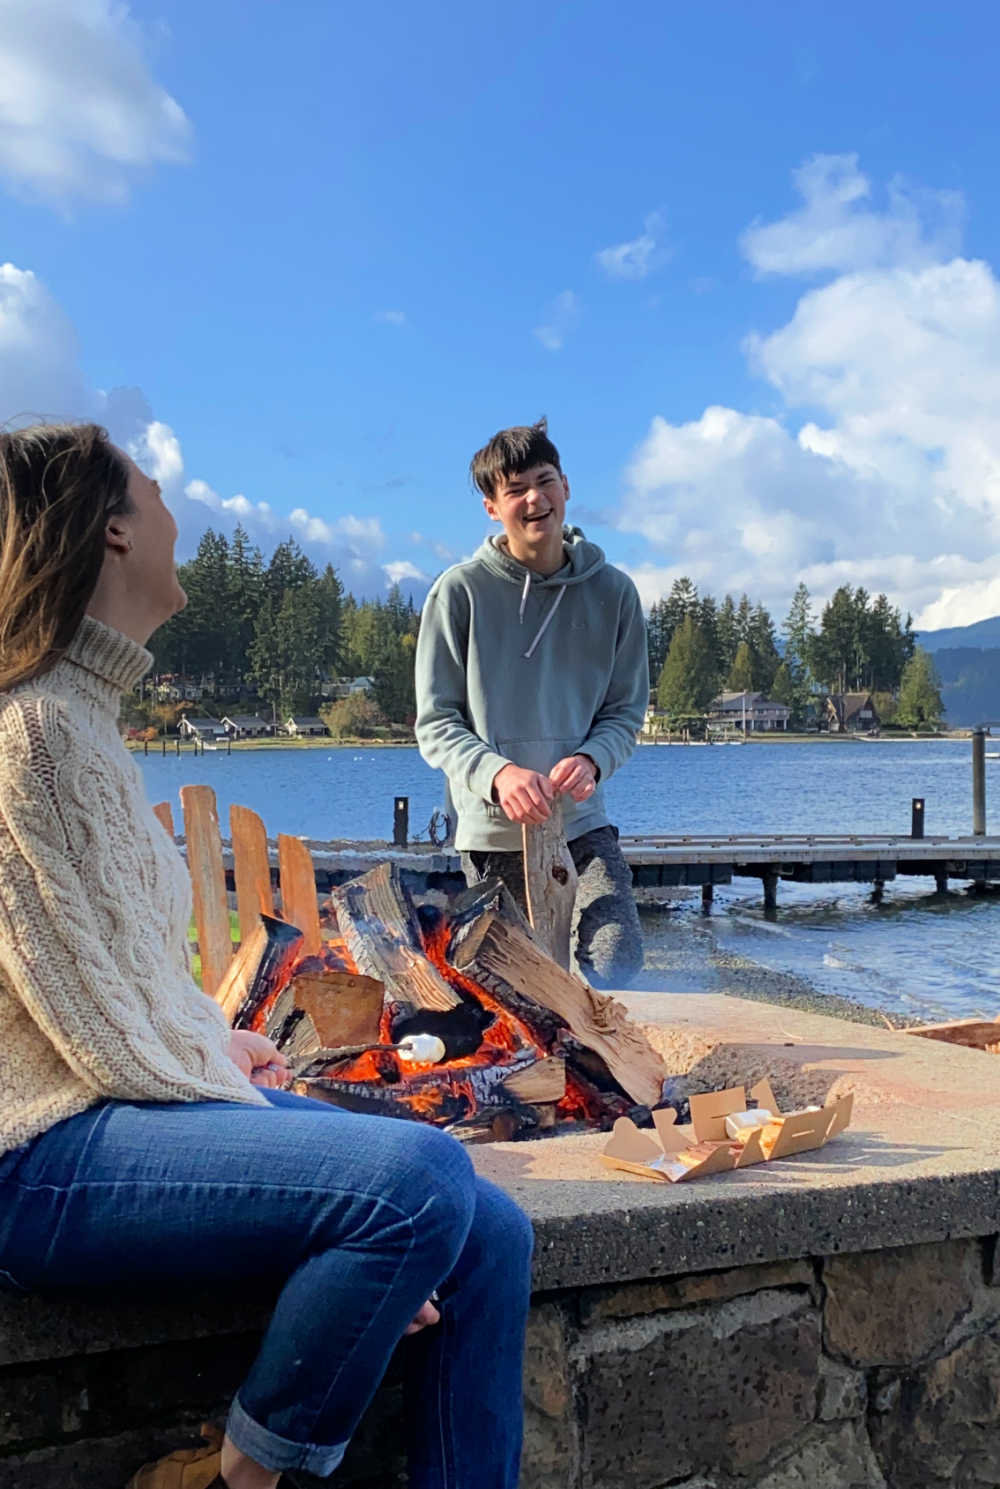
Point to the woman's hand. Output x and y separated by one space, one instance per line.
428 1315
261 1062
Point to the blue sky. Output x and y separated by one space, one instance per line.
310 256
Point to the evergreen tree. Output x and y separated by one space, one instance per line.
765 649
687 681
244 588
798 632
727 638
330 594
832 652
707 619
798 626
783 689
920 702
741 673
286 645
657 638
744 620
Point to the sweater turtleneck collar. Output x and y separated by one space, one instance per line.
113 658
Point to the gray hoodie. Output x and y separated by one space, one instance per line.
516 668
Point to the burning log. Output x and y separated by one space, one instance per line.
256 969
443 1095
550 880
543 1081
378 922
506 962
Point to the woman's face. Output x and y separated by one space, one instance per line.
148 565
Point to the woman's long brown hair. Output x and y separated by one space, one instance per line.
59 485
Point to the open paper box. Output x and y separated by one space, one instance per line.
677 1153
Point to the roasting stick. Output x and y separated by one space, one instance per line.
426 1048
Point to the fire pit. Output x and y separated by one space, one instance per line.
456 1017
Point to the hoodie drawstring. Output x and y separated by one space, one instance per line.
524 596
544 625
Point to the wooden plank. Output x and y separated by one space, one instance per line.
506 955
977 1034
377 920
299 901
164 816
251 868
344 1007
208 883
550 880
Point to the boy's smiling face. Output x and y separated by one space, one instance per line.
531 506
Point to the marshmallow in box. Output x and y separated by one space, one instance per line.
723 1135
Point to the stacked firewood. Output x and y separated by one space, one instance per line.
457 1017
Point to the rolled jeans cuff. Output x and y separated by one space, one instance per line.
278 1453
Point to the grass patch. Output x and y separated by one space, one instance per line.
234 936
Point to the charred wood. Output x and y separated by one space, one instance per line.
377 920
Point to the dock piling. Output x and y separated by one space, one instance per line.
917 817
770 885
979 782
401 822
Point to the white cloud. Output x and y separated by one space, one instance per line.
358 534
238 506
560 318
881 465
837 229
80 113
638 257
158 450
402 569
391 317
41 380
39 372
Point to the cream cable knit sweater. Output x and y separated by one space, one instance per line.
96 996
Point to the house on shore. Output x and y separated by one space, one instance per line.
346 686
304 726
746 710
246 726
200 727
850 713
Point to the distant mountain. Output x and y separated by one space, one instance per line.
983 634
970 684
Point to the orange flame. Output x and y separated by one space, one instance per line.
437 1093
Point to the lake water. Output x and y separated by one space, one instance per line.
919 954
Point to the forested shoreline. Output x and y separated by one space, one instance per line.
269 634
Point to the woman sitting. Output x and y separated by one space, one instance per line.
143 1145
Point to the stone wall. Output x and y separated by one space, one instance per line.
878 1370
871 1371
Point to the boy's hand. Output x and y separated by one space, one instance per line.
577 775
523 794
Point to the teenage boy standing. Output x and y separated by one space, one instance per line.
532 683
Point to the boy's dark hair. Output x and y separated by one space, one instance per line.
510 452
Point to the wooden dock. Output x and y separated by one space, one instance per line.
810 859
705 861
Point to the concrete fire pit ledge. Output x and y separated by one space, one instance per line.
920 1161
827 1322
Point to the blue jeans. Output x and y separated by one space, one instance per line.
359 1219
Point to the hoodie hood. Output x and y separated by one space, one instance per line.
583 560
